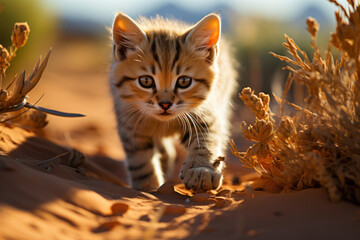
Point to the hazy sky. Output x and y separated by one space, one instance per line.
104 10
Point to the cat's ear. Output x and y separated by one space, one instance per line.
126 33
206 33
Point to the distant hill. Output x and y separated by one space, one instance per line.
81 27
171 10
230 17
316 12
74 26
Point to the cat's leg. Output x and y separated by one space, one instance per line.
143 162
202 170
166 147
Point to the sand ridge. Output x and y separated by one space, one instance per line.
64 203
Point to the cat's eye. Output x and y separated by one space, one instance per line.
146 81
184 82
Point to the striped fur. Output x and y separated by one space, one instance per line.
188 99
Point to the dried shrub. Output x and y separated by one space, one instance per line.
320 145
13 98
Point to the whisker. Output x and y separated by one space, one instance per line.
183 125
130 113
189 127
199 126
195 128
232 105
206 129
201 112
140 50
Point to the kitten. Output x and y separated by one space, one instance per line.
169 79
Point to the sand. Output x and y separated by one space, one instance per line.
42 199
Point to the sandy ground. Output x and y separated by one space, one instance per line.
58 199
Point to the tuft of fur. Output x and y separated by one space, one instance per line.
167 55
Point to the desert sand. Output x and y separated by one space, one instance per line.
43 196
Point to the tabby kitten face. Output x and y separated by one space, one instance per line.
164 73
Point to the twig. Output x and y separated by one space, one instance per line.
279 100
51 159
54 112
9 119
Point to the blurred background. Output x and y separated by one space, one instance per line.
76 77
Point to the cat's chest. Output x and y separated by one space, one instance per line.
156 128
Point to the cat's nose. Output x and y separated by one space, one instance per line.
165 105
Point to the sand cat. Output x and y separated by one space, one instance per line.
169 79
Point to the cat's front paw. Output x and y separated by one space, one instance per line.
202 178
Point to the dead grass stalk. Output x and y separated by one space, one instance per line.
320 145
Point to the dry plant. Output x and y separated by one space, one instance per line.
13 98
320 145
15 110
